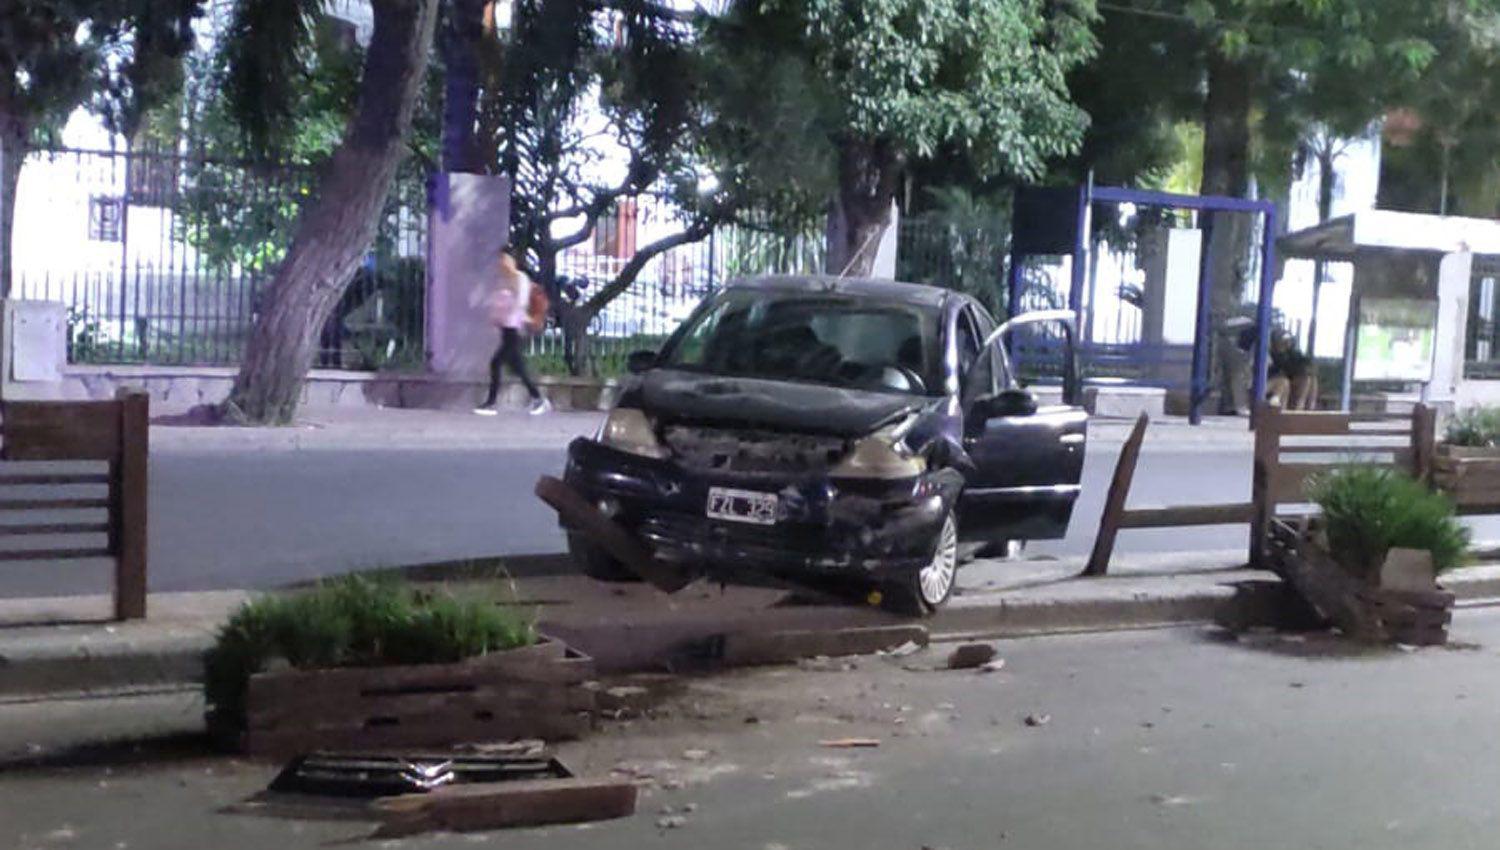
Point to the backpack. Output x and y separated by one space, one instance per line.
536 309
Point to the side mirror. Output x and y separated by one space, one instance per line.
1011 402
640 361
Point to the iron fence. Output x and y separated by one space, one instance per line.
671 284
162 256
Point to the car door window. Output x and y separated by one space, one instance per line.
987 365
975 368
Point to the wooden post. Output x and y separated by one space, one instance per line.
1268 422
1114 503
128 495
1423 442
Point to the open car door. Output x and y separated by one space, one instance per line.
1027 457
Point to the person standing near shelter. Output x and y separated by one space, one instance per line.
510 309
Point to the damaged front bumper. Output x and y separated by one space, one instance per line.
825 527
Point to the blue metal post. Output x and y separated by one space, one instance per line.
1081 248
1013 286
1263 313
1198 384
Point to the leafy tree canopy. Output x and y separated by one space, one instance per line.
846 96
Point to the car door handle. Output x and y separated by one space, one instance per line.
1072 439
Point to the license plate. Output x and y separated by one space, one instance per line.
742 506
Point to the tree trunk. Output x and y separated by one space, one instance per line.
461 35
336 230
1226 128
14 139
869 173
1226 172
577 346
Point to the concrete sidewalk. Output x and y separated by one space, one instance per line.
632 626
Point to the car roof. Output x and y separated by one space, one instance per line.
914 294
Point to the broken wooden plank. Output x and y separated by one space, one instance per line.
1114 503
744 649
608 535
503 805
850 743
1187 515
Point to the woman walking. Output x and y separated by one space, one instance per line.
508 308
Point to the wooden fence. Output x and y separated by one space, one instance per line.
38 437
1290 448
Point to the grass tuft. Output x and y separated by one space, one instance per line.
354 621
1370 510
1475 427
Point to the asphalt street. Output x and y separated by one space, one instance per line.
223 520
1160 740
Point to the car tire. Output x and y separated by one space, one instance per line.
595 563
928 589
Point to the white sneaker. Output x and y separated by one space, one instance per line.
540 406
486 411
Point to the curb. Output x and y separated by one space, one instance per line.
1008 618
62 663
27 673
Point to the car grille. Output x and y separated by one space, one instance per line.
743 450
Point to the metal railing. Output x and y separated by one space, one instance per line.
670 285
161 257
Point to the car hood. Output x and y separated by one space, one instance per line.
781 405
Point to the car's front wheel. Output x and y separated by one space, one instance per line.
595 563
930 587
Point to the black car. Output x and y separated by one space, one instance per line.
798 429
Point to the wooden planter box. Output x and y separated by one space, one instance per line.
1359 609
533 692
1470 477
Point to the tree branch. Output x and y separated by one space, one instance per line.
645 7
631 270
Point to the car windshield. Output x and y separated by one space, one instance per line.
834 340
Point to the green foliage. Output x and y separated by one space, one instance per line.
1145 81
259 144
352 622
1447 145
1476 427
920 75
1370 510
267 111
960 243
58 55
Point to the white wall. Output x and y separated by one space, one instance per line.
1356 187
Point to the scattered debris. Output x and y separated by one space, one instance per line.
971 655
696 755
850 743
671 822
993 666
903 650
1297 685
1038 719
530 748
946 706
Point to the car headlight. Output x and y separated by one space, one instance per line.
883 454
628 430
